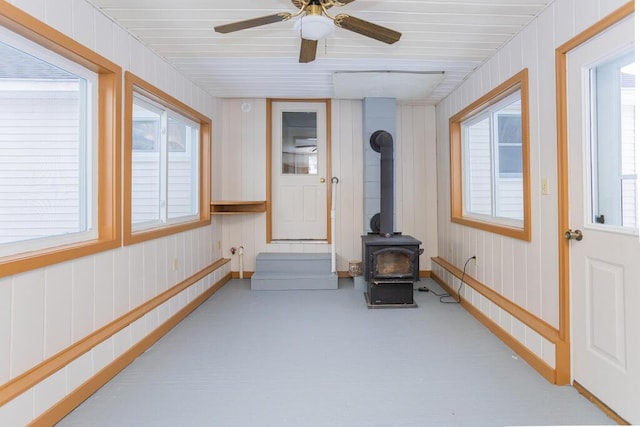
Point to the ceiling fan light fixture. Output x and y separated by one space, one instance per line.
314 27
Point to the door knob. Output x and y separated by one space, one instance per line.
322 180
573 235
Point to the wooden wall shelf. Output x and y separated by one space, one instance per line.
229 207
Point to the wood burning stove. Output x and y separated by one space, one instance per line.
391 261
391 265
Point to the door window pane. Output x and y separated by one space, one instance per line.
299 143
613 143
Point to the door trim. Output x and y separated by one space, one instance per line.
269 156
563 346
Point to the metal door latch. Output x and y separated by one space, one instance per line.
573 235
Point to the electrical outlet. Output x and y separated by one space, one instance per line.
175 264
475 260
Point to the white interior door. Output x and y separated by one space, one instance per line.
299 166
605 264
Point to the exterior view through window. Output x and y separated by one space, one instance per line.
613 143
164 166
299 143
492 150
46 148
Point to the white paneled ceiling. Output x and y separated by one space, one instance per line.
453 36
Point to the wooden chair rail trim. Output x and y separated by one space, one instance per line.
532 359
40 372
547 331
62 408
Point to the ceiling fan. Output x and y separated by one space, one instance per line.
315 23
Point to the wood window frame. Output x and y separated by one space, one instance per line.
135 84
520 81
109 134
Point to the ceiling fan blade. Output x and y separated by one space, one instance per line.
308 50
367 28
251 23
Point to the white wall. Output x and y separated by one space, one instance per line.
46 310
524 272
241 161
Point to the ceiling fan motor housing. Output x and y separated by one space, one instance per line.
314 25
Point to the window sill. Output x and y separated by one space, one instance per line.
505 230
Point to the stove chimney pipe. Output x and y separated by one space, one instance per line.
382 142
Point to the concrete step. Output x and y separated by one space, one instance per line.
293 271
283 281
294 262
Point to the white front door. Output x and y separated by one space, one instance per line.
299 171
605 264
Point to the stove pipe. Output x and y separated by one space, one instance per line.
382 142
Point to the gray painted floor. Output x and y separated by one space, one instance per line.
321 358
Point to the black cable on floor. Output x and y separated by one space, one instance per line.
447 295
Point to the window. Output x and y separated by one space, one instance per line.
58 147
489 161
166 164
299 142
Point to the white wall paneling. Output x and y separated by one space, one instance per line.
58 318
5 329
47 310
348 167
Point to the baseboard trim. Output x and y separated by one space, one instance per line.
604 408
245 274
80 394
40 372
425 274
248 274
532 321
532 359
